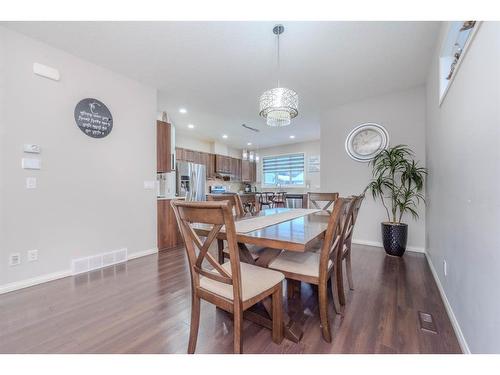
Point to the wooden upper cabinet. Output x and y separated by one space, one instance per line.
253 172
221 164
211 166
164 150
245 171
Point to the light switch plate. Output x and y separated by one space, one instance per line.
30 163
32 255
149 185
30 182
32 149
14 259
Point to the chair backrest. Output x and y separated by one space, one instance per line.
351 217
234 201
266 197
213 216
315 198
280 196
333 237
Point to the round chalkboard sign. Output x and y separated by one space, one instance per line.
93 118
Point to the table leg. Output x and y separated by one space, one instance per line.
245 255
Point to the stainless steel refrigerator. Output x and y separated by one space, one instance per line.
191 180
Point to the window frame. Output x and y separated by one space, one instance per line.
263 180
443 70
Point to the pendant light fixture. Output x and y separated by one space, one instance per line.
279 105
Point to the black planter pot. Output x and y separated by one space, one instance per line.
394 238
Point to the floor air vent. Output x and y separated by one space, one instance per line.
95 262
427 322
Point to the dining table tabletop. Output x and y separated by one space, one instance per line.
275 230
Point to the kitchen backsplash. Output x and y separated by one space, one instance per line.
230 186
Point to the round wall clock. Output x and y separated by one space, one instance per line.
365 141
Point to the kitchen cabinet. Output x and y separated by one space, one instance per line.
198 157
253 172
245 171
248 171
165 137
222 164
214 163
211 166
169 235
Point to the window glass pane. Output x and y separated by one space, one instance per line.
283 169
269 178
297 178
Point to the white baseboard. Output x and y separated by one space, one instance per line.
379 244
33 281
10 287
454 322
142 253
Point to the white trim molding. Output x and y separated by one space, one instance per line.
34 281
454 322
10 287
379 244
143 253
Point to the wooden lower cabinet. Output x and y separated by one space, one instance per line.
169 235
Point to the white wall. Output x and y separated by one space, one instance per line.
403 115
463 213
308 148
189 142
90 196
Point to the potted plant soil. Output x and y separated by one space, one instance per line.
398 181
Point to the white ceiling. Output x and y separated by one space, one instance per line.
217 70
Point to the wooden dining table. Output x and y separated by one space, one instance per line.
298 234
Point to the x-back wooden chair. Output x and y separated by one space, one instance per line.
318 267
345 255
232 286
237 208
233 199
315 198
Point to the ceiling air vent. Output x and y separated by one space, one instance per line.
250 128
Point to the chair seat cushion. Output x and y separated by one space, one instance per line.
254 280
255 251
300 263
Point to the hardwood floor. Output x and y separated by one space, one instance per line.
143 306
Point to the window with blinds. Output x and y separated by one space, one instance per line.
283 170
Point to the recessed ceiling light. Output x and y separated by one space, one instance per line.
183 110
292 137
224 136
190 126
249 143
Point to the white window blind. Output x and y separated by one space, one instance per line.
283 170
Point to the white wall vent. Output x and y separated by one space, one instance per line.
80 265
95 262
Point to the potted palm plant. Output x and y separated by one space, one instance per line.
397 181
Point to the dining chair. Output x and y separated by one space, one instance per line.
233 199
279 199
350 221
318 267
232 286
266 199
316 198
236 208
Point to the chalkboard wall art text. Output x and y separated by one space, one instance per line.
93 118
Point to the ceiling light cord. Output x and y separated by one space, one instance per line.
278 60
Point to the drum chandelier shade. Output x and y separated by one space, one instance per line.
279 105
